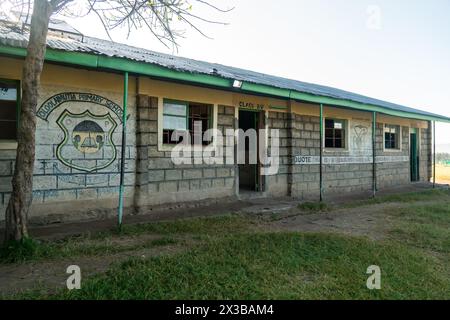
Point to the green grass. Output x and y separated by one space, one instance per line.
272 266
16 251
424 226
71 248
312 207
232 260
199 226
103 243
165 241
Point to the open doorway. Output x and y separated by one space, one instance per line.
249 177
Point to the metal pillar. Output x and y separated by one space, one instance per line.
434 154
124 145
321 153
374 154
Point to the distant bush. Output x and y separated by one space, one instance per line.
443 158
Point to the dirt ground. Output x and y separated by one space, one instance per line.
371 221
443 174
271 215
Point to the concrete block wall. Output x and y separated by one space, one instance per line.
426 153
56 182
305 180
351 177
347 178
336 177
277 185
393 167
160 180
152 179
7 160
393 173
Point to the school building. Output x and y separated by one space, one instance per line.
330 141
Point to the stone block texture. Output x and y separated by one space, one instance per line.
56 182
151 177
392 167
160 180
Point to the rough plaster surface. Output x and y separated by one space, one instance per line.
152 179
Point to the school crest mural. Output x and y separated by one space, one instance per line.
88 124
87 137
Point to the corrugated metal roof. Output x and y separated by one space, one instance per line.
12 36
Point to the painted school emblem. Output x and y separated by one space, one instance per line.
88 143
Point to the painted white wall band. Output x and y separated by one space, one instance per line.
305 160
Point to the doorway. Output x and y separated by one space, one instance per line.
249 176
414 156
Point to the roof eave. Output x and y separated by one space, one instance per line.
116 64
330 101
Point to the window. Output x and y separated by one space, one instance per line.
335 133
8 109
182 116
391 137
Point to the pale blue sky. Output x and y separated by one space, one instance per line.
406 60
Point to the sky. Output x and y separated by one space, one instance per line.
396 51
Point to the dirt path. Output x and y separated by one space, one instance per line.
371 221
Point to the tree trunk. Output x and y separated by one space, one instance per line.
22 182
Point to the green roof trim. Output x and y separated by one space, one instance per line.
363 107
116 64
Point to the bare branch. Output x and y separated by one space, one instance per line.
214 7
160 17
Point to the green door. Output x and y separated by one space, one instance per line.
414 157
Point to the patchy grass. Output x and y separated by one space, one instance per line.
232 260
272 266
424 226
198 226
427 195
165 241
110 242
313 207
18 251
75 247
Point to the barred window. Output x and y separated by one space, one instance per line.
335 133
181 116
9 93
391 137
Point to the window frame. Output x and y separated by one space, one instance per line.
398 140
212 120
346 134
11 144
186 117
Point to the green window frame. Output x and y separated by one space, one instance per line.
5 118
192 112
